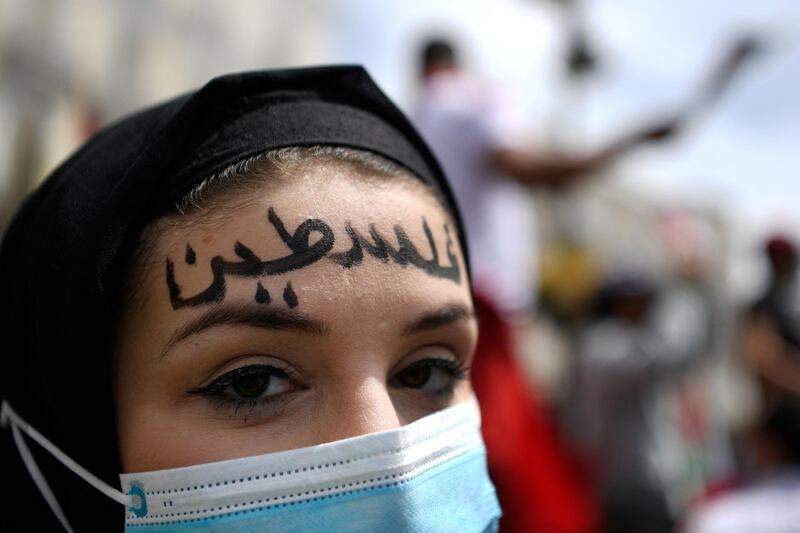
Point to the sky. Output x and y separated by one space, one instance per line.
739 154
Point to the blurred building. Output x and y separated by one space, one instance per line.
68 67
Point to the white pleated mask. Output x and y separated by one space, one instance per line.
429 475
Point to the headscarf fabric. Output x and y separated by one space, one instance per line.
63 253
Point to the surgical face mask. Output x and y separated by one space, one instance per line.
429 475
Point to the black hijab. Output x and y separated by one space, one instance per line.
62 254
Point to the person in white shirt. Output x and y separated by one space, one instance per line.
477 133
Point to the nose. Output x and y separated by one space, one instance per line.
361 409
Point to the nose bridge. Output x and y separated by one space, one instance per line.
362 406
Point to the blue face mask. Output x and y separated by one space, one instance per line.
427 476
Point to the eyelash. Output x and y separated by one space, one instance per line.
455 370
217 388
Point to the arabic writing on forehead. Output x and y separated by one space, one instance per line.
303 254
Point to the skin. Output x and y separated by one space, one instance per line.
346 376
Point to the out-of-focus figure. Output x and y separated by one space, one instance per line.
624 363
694 450
771 333
644 391
479 134
769 501
475 129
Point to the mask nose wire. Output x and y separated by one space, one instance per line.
9 417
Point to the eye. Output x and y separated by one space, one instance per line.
249 384
430 376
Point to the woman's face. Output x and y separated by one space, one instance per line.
254 331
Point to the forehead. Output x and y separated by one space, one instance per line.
300 233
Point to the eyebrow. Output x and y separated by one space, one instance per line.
439 318
246 315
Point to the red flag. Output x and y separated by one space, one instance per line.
538 482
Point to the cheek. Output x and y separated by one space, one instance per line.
157 435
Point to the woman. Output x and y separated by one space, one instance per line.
254 302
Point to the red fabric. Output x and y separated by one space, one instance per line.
539 485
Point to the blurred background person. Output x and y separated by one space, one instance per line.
622 363
768 494
768 501
644 418
482 139
771 330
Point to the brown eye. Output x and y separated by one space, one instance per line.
251 386
431 376
414 377
253 382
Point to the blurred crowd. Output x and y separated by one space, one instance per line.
624 386
671 408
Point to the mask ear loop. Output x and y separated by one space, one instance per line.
9 417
